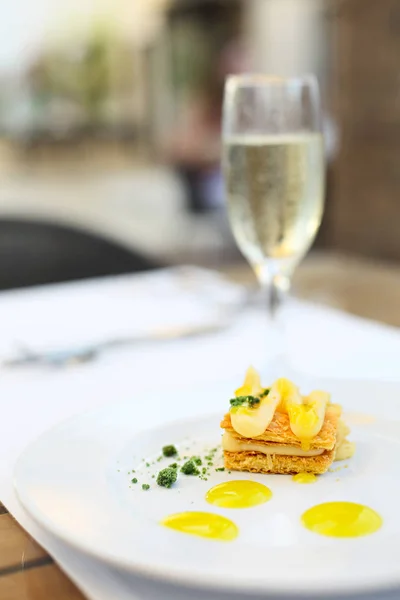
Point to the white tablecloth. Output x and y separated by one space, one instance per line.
323 342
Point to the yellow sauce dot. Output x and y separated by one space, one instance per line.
358 418
238 494
341 519
304 478
203 524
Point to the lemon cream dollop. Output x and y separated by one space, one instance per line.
253 408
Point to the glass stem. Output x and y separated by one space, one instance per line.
274 298
276 286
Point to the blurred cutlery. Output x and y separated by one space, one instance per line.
86 353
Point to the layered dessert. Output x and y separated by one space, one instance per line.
279 430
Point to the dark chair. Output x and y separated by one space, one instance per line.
37 252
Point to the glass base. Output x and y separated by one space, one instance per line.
280 366
276 367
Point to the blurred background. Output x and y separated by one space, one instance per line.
110 137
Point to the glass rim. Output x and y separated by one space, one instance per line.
260 79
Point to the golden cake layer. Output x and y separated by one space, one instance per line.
256 462
278 431
279 436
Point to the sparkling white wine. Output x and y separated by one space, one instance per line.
275 188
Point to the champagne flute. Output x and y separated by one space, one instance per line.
273 163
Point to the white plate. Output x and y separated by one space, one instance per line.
74 481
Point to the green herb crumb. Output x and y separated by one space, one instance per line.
134 480
190 468
197 460
251 401
220 469
173 465
147 464
167 477
169 450
145 486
